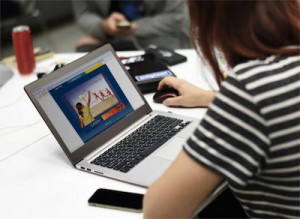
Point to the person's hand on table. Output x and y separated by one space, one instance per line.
109 25
189 94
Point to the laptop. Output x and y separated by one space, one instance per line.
103 123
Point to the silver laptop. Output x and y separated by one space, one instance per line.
103 123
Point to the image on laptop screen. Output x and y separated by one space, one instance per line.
85 101
92 101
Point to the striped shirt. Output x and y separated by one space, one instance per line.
251 136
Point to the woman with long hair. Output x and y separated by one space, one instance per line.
250 134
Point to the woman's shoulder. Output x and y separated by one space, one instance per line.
260 68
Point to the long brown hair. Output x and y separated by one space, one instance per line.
244 30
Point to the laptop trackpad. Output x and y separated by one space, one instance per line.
171 150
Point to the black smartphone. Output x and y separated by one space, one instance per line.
119 200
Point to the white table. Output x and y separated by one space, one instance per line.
36 178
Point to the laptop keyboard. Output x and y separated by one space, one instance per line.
138 145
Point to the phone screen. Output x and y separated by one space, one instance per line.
117 200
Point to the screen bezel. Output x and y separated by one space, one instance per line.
106 135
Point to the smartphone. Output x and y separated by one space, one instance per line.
123 24
119 200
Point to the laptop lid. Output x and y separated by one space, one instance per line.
88 102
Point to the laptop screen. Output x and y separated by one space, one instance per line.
88 100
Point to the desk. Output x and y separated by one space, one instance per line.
36 178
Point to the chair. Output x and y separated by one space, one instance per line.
19 12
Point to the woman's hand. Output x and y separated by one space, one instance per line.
189 94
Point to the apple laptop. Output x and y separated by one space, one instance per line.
103 123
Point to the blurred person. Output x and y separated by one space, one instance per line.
159 22
250 133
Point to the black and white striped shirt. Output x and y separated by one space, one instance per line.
251 135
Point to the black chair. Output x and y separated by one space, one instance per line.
18 12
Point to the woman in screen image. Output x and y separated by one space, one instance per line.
85 116
249 136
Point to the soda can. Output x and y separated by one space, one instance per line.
23 49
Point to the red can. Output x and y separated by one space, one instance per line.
23 49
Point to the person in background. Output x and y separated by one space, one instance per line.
10 9
159 22
250 133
